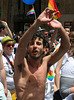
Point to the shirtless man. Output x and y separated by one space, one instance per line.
30 73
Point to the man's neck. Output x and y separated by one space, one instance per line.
34 62
8 54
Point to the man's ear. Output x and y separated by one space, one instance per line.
44 49
27 49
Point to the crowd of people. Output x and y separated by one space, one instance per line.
38 65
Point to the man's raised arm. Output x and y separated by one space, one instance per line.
65 43
8 29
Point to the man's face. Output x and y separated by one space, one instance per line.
35 48
4 31
8 47
46 34
72 41
67 30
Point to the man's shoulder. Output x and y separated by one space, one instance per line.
46 57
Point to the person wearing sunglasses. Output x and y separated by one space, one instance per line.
8 61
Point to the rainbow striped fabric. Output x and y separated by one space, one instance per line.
52 5
31 11
12 64
55 43
50 75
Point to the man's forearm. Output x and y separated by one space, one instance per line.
65 42
9 31
29 33
2 72
3 78
53 37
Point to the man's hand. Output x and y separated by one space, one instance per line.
47 16
55 24
5 91
4 23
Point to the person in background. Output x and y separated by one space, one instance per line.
8 61
67 29
16 38
20 34
63 70
5 30
57 69
49 90
30 74
67 72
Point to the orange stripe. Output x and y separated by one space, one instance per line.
51 2
30 10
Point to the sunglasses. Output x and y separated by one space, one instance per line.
9 45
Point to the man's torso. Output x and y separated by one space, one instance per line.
30 83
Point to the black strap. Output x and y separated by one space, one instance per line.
8 61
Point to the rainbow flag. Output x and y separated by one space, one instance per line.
31 11
55 43
50 75
12 64
52 5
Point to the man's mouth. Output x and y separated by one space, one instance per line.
35 51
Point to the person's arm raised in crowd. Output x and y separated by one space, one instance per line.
65 43
57 74
53 37
43 18
8 29
3 74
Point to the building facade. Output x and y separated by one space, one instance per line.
14 13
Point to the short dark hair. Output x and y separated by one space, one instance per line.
1 26
45 41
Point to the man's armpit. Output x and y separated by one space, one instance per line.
20 67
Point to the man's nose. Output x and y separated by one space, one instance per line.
35 45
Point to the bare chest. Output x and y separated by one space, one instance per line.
32 82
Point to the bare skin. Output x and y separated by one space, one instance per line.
30 74
57 75
5 31
3 74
